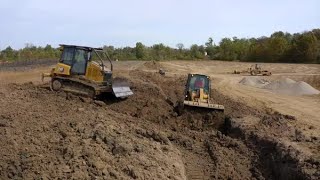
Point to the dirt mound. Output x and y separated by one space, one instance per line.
44 134
314 80
59 135
154 96
152 65
253 81
291 87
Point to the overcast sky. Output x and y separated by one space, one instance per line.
125 22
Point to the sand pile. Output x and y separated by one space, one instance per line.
253 81
291 87
283 86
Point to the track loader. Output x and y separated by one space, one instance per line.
197 98
197 93
81 70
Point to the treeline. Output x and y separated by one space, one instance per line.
279 47
29 52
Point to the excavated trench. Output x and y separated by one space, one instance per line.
114 132
235 152
272 159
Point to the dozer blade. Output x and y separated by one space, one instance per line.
204 105
121 89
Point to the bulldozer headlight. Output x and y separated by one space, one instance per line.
61 69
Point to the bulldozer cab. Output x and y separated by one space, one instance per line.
199 81
77 57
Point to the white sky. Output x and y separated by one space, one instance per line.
125 22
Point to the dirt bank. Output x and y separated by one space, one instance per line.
55 135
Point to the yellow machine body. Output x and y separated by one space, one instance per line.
79 71
94 72
197 92
199 95
62 69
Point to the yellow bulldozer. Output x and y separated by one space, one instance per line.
82 70
256 69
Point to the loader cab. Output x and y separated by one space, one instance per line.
197 81
76 57
197 84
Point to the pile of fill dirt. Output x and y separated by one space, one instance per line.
253 81
48 135
291 87
152 65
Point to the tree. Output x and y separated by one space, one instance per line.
258 50
209 43
304 48
8 54
180 46
278 45
110 50
140 50
210 48
159 51
227 50
197 52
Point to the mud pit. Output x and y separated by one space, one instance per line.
55 135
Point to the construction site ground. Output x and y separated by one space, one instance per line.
55 135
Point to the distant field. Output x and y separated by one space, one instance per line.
26 64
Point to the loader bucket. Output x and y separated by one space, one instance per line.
204 105
121 88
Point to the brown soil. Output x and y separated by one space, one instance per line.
57 135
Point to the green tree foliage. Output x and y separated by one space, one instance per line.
210 48
304 48
197 52
160 52
279 47
226 50
9 54
258 50
140 51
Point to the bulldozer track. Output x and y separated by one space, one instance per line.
76 87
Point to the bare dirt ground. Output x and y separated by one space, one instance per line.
48 135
